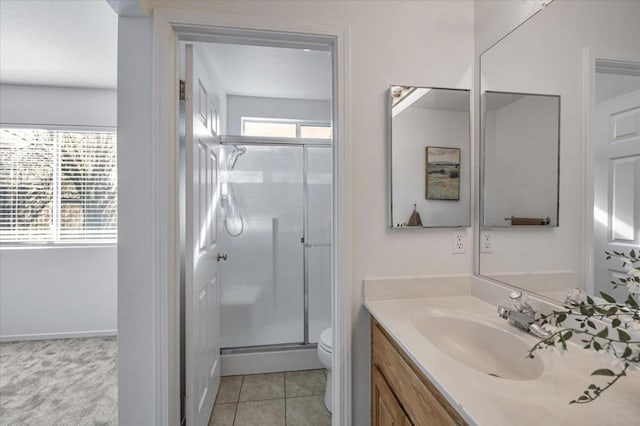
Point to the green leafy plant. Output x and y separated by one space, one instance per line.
605 326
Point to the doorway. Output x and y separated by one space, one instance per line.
616 168
273 246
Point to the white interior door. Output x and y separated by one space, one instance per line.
202 293
616 184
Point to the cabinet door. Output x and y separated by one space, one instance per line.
386 410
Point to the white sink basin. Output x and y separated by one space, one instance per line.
480 345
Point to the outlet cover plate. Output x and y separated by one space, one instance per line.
458 242
486 242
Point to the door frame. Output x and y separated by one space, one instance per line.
167 24
590 56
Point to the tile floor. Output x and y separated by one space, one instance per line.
293 398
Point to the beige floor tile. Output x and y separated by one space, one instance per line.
223 415
256 387
229 389
260 413
307 411
304 383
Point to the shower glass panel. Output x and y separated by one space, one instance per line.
318 241
261 282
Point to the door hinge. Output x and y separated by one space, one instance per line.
182 90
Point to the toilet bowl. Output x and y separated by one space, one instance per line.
325 349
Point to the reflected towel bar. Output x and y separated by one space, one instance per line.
516 221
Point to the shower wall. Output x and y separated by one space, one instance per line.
262 281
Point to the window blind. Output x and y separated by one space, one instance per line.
57 186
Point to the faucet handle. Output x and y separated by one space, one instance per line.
520 301
503 312
515 295
575 296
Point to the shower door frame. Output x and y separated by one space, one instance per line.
303 144
169 27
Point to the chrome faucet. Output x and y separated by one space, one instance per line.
522 315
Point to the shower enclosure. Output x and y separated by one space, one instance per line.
276 229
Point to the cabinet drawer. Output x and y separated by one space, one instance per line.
423 403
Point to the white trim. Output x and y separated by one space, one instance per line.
588 86
65 335
165 197
269 362
343 280
590 56
165 222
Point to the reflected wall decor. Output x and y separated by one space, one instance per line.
442 174
423 118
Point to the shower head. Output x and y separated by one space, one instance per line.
235 153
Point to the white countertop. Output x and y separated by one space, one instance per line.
485 400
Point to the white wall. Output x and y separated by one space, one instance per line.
496 18
412 130
57 291
292 109
521 155
432 48
137 362
546 55
57 106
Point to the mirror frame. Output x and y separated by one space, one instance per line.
469 156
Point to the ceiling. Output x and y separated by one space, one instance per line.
273 72
68 43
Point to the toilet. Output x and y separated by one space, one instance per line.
325 349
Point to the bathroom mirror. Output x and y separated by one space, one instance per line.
429 150
586 54
520 148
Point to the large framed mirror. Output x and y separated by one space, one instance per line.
587 54
429 149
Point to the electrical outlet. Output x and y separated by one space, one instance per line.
486 242
458 242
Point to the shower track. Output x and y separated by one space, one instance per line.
268 348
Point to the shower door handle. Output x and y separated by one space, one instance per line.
222 256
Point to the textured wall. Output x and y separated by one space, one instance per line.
496 18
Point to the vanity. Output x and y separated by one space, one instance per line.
558 187
400 393
441 356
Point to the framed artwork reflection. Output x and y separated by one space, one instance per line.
442 174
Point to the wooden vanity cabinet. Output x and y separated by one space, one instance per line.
385 408
401 395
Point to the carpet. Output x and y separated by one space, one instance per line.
59 382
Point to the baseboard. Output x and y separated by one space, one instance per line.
269 362
50 336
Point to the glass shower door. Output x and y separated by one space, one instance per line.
262 299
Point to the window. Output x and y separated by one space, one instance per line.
278 128
315 132
57 186
269 129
